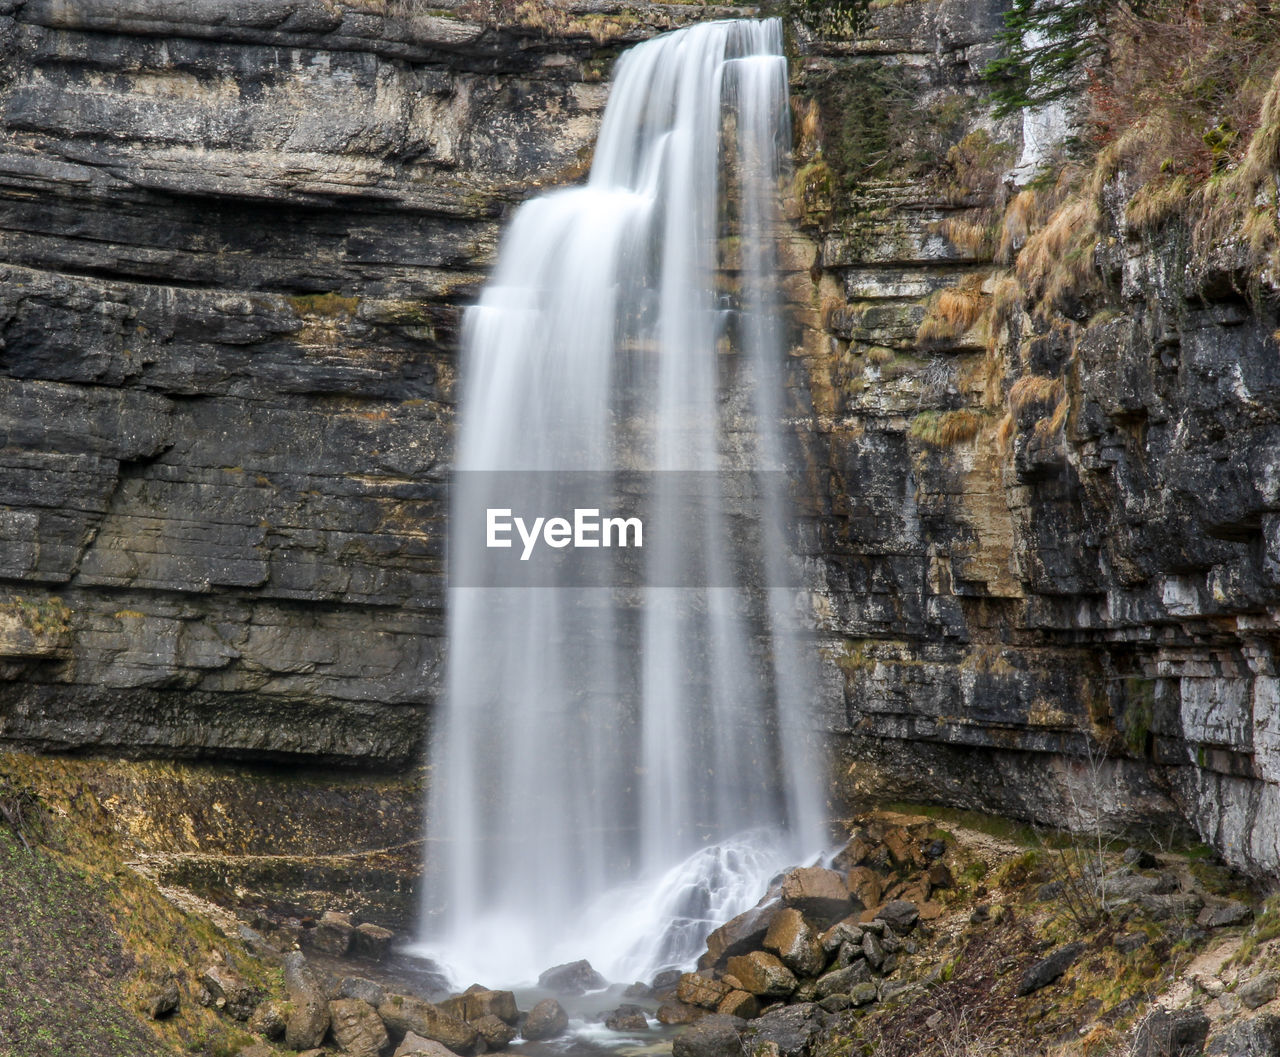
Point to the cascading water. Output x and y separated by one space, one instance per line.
617 769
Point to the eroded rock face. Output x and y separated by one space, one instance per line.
1103 570
230 285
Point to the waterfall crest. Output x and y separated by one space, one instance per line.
616 770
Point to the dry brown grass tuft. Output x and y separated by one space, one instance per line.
948 428
1034 389
1057 261
953 312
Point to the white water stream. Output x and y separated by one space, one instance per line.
616 770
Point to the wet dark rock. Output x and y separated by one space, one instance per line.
572 978
638 990
546 1020
791 1028
842 932
1256 1037
627 1018
1049 969
715 1035
872 951
357 1028
1165 1034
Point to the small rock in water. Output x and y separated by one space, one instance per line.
666 980
546 1020
627 1018
638 990
477 1002
572 978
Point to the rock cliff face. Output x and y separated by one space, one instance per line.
1048 550
233 247
234 241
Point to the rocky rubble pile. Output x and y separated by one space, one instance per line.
359 1017
831 937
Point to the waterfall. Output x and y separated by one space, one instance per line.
621 765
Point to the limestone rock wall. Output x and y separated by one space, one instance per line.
1046 582
234 239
